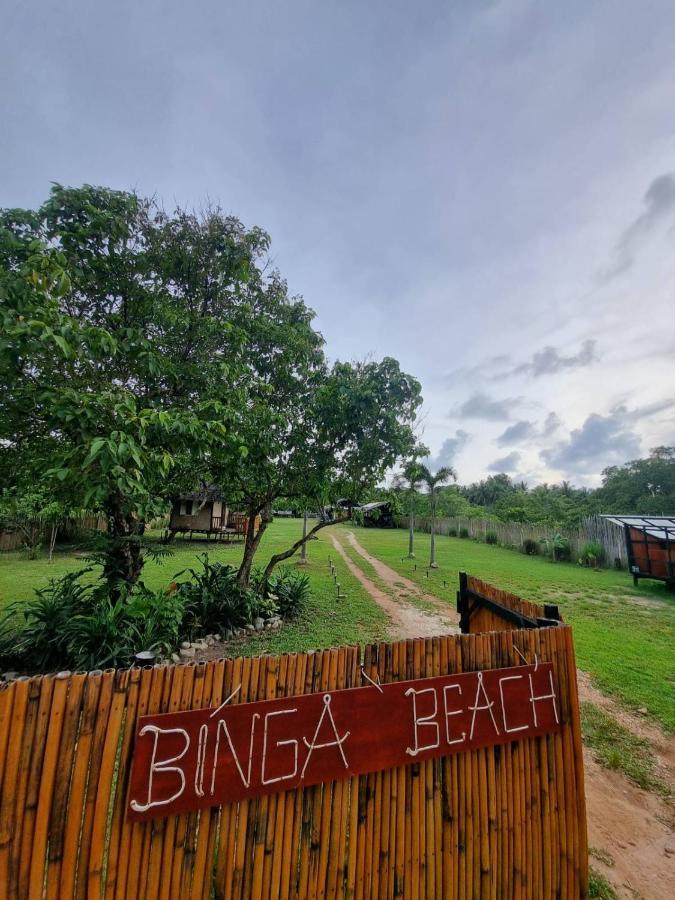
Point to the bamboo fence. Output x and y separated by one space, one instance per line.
514 534
499 822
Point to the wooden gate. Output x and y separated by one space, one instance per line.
503 821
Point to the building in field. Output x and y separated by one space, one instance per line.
650 543
205 512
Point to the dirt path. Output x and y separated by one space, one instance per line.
408 621
634 827
630 827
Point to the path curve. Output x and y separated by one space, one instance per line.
407 621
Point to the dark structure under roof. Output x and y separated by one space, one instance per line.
650 542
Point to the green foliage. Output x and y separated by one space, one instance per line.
290 590
452 532
600 887
593 553
463 532
642 486
531 547
616 747
213 599
491 537
558 548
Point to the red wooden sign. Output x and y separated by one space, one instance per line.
188 760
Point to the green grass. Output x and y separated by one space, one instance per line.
325 622
616 747
624 636
599 886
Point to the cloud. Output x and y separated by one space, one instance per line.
659 204
482 406
450 449
551 425
516 433
508 463
600 442
550 361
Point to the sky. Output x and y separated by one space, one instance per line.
483 190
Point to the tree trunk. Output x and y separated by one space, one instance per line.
411 535
303 550
52 539
252 541
280 557
123 557
433 564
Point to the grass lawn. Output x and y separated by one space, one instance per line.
624 636
326 622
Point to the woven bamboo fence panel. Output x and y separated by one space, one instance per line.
514 534
500 822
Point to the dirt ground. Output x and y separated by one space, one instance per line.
630 830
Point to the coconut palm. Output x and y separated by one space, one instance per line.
433 483
410 480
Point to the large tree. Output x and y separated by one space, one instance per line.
116 382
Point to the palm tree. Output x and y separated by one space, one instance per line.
410 479
433 483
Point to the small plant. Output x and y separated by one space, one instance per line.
593 554
558 548
599 886
491 537
452 532
530 547
213 598
464 532
290 590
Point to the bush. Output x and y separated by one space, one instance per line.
491 537
593 554
530 547
464 532
213 599
452 532
289 589
558 548
73 624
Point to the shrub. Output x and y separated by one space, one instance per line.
593 554
213 599
558 548
452 532
289 589
530 547
464 532
73 624
491 537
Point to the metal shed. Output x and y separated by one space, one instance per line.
650 543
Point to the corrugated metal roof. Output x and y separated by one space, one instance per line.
657 526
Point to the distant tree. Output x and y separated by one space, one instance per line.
433 482
641 486
409 480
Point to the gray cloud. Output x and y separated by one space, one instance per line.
551 425
659 202
516 433
600 442
550 361
508 463
450 449
482 406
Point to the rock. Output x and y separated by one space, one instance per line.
209 641
187 652
643 710
259 624
185 645
175 658
10 676
200 645
250 628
